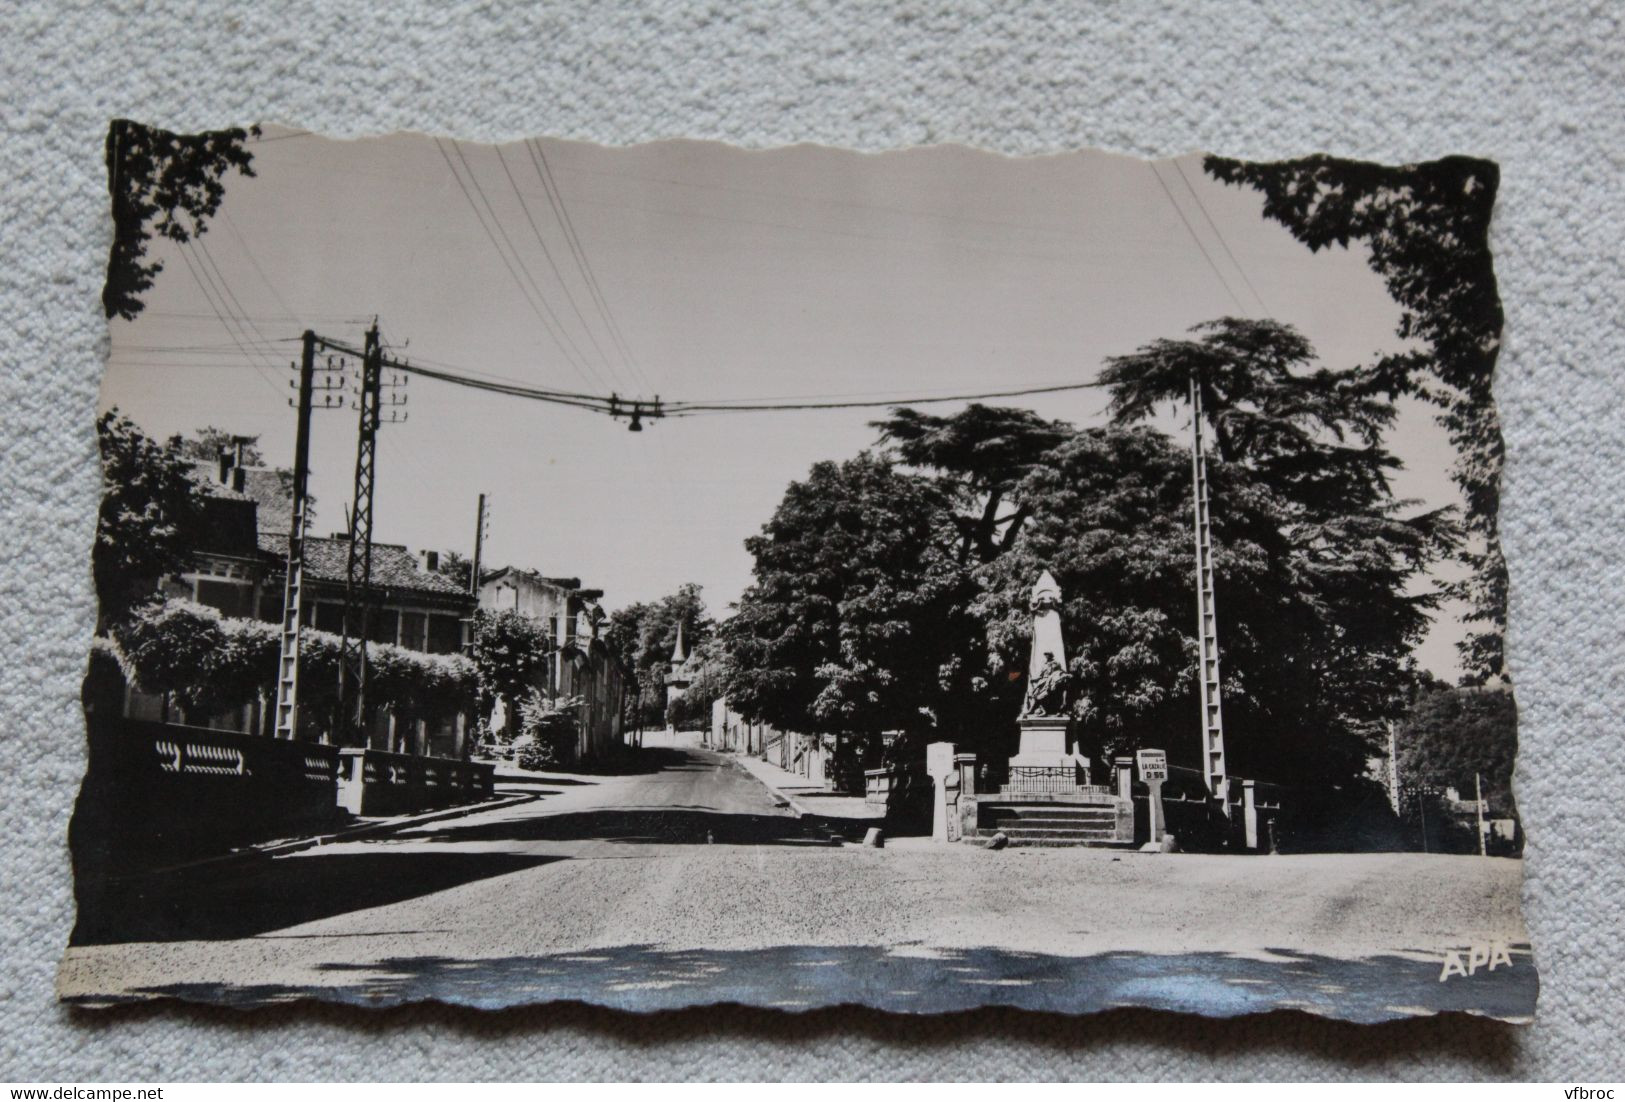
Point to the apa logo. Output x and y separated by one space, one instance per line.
1489 957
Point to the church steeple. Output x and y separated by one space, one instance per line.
679 653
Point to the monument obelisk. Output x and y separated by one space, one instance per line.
1044 711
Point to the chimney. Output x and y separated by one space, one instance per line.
429 561
239 479
224 457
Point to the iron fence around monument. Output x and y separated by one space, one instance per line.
1049 780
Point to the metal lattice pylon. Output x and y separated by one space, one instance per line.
349 721
1207 627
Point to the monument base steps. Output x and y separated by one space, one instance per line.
1051 825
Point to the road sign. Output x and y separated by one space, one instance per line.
1153 765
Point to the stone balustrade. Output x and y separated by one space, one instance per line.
376 782
156 792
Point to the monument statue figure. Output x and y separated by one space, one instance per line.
1046 692
1047 679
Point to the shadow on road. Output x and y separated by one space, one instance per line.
253 897
511 780
800 977
636 761
677 826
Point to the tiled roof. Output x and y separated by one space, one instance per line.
393 566
266 487
206 476
272 491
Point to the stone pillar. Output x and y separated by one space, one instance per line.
1249 814
1125 778
944 773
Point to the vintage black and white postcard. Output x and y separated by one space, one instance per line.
677 574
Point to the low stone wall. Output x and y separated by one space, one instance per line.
160 792
375 782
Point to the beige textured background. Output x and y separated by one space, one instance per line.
1535 86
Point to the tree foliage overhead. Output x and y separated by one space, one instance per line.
1427 229
1315 558
150 517
981 454
163 185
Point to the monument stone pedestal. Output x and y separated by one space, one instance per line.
1043 742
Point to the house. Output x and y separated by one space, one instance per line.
239 568
583 665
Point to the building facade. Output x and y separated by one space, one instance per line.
582 664
239 568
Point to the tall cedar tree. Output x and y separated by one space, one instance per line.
1427 229
162 184
980 455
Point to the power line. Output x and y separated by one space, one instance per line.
616 406
548 253
1201 206
249 254
1192 231
684 409
552 327
220 316
544 172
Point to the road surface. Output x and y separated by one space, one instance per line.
688 881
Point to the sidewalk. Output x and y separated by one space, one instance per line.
809 798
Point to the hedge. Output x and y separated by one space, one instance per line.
213 664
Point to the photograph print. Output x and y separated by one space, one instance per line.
678 574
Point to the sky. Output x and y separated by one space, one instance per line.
691 271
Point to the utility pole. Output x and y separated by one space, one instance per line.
1478 803
479 546
350 718
1393 768
287 687
1207 628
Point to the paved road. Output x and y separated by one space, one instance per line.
685 881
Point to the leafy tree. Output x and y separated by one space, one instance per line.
1316 561
1317 622
511 652
709 665
549 729
151 515
162 184
206 444
212 664
1427 229
1452 734
855 623
456 567
981 455
644 634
